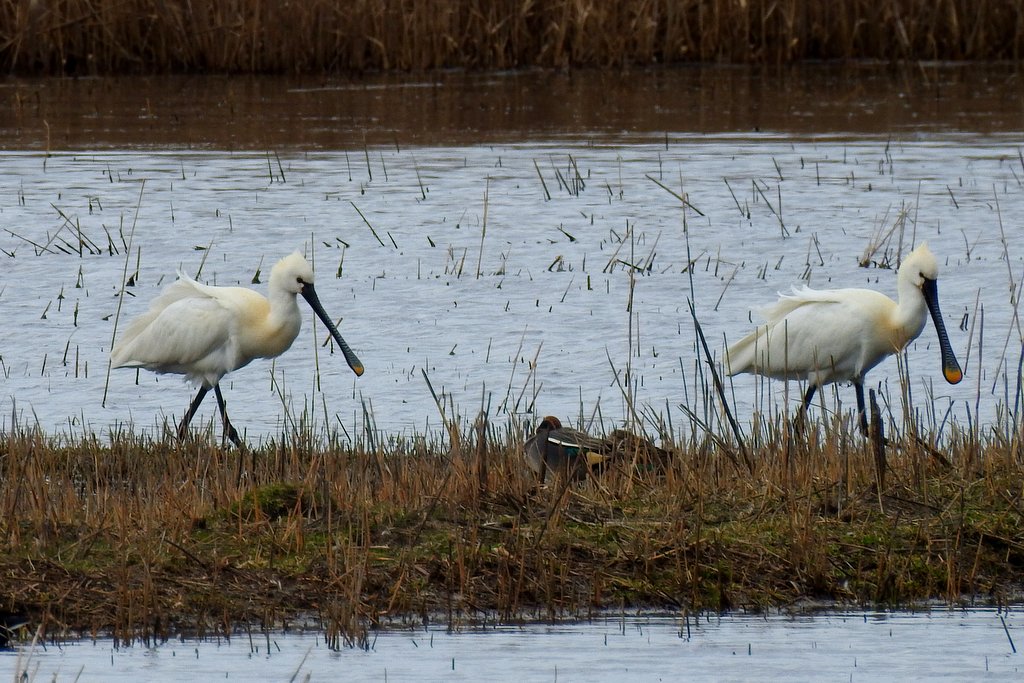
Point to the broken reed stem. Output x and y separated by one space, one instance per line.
878 445
483 228
379 240
547 194
450 424
719 387
120 295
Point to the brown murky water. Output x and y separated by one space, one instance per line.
458 108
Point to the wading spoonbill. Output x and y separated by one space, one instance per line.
563 451
837 335
204 332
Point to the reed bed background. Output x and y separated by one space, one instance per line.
316 36
147 539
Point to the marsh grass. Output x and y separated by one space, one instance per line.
133 36
143 538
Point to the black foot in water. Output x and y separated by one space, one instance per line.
232 434
229 431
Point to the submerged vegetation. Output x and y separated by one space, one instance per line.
149 36
144 539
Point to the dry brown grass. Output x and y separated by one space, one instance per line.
143 539
317 36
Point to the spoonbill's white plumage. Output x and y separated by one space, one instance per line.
837 335
204 332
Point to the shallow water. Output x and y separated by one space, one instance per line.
561 246
432 289
953 645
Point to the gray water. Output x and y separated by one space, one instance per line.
949 645
460 267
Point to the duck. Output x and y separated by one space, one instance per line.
563 451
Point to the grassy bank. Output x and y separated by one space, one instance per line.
312 36
143 539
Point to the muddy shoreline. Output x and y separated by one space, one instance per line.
426 541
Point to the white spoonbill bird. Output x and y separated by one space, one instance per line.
837 335
205 332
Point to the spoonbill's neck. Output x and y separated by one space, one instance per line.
284 309
911 312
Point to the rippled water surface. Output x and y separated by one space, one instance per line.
525 270
957 645
453 262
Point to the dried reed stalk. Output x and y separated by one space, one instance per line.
304 36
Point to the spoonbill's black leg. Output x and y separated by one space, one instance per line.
809 396
798 421
861 413
229 430
183 427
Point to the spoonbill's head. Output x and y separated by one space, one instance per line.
291 273
919 266
922 270
294 275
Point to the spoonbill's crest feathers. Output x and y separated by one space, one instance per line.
920 265
291 273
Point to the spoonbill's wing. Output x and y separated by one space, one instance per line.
820 335
182 327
